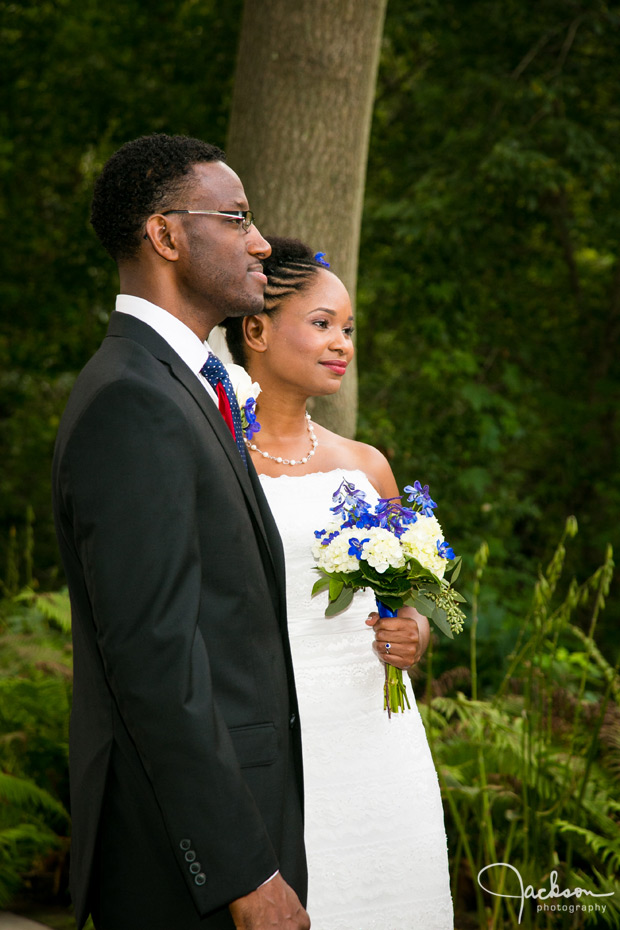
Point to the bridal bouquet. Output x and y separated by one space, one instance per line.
397 551
246 392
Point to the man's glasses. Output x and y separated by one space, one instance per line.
245 217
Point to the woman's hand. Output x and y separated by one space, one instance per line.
408 635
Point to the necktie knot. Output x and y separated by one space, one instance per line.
214 370
217 376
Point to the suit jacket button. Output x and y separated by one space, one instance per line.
185 844
292 721
200 878
190 856
194 868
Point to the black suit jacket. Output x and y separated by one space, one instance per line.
186 784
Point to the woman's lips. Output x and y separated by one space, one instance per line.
337 367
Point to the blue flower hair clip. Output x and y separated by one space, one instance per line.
320 259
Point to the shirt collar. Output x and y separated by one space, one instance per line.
179 337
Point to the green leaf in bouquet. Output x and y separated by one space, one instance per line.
391 588
440 620
354 580
321 584
392 591
417 573
335 587
390 600
454 569
392 581
424 605
341 603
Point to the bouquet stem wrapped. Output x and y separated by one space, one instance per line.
394 691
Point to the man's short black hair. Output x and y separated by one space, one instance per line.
143 177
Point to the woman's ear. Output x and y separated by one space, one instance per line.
254 331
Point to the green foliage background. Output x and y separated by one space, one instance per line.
489 296
35 700
490 277
488 330
79 79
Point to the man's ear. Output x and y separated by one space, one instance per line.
255 331
162 237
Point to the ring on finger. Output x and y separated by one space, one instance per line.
388 646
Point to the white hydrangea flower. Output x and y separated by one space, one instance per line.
420 540
335 557
243 386
383 550
317 547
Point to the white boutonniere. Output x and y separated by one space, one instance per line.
246 392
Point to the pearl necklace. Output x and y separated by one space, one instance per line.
278 458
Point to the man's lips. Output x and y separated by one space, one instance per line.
336 365
257 271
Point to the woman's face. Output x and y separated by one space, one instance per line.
309 337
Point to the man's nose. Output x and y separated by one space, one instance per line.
257 244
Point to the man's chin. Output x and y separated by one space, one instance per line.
246 308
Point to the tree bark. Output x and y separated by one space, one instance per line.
299 129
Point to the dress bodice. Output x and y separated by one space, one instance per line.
301 504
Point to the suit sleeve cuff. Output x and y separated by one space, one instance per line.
267 880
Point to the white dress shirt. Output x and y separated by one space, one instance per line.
179 337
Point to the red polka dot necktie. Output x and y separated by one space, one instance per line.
217 376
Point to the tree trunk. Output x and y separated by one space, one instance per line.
299 129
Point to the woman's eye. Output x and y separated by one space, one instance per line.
323 324
348 330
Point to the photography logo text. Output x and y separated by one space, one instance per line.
552 898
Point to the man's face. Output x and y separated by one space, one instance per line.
219 268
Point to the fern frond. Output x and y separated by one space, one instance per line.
608 914
55 606
42 701
24 796
606 848
19 845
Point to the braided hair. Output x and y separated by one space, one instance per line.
290 268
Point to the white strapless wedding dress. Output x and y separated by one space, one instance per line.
375 837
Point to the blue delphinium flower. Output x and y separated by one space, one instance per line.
366 520
445 551
356 545
350 501
421 496
329 537
344 492
251 425
392 515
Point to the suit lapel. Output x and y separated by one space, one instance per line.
274 541
126 326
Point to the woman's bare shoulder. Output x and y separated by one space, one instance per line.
349 453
